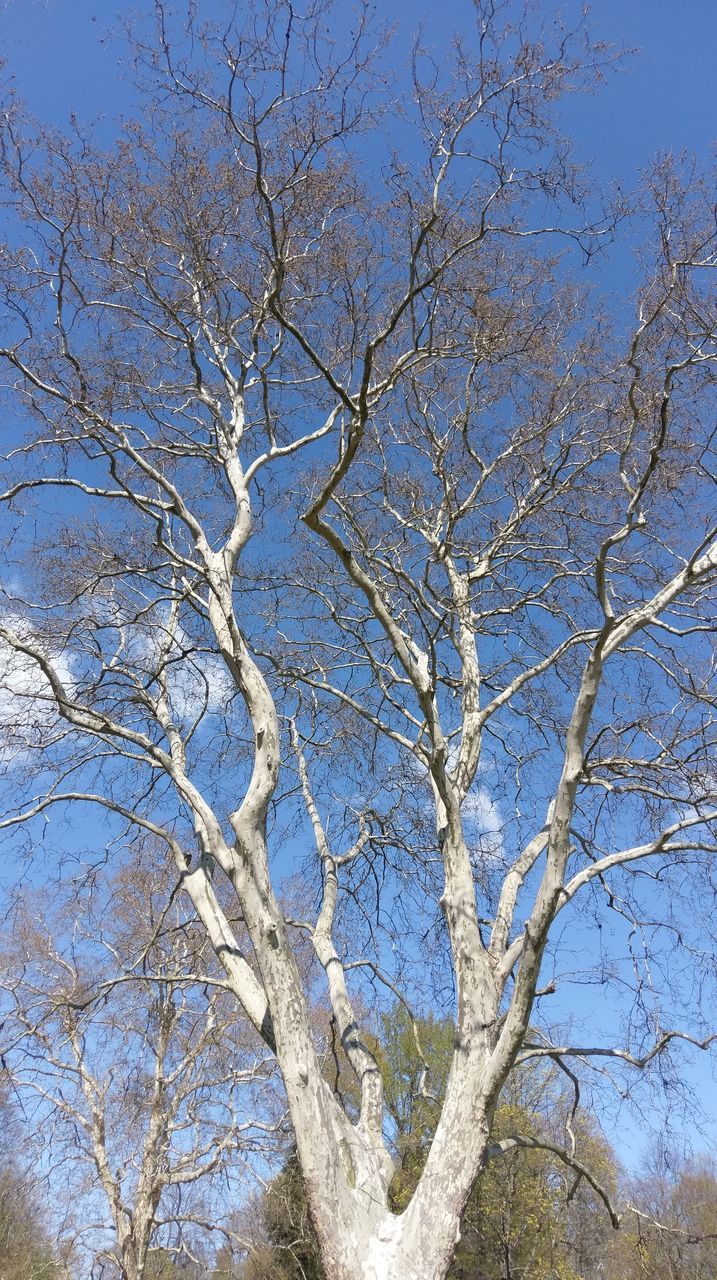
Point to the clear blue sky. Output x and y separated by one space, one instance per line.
663 99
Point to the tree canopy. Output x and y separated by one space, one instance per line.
350 531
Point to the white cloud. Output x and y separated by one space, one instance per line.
27 709
481 813
482 817
198 681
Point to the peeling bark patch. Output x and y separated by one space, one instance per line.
347 1162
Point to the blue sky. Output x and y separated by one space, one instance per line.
662 99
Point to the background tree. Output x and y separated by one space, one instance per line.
677 1236
26 1251
140 1086
339 490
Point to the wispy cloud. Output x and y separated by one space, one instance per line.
484 822
27 707
198 681
483 819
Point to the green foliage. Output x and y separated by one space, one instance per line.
518 1222
515 1221
296 1255
414 1082
291 1251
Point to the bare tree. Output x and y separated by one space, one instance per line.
339 488
141 1087
25 1246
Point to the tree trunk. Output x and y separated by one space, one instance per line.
361 1239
